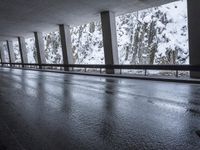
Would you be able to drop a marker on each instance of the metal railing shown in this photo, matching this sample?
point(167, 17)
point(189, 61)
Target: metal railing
point(102, 68)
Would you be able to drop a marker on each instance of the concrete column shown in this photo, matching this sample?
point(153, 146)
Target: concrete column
point(66, 45)
point(194, 34)
point(22, 50)
point(109, 39)
point(11, 52)
point(39, 43)
point(2, 53)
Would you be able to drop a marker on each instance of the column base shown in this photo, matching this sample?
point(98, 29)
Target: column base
point(195, 74)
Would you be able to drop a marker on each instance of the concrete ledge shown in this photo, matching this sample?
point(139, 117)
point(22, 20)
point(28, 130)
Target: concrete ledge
point(124, 76)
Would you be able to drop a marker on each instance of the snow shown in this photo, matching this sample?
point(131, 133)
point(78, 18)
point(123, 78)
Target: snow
point(31, 49)
point(87, 44)
point(16, 51)
point(153, 36)
point(5, 50)
point(171, 34)
point(53, 51)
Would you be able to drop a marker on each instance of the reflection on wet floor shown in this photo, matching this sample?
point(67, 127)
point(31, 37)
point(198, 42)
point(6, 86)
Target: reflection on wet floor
point(85, 112)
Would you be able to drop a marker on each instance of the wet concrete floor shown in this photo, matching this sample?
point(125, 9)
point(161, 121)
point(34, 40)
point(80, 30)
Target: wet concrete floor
point(52, 111)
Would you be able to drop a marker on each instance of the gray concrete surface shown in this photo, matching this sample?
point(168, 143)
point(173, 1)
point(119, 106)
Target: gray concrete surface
point(11, 53)
point(194, 34)
point(23, 50)
point(40, 49)
point(109, 39)
point(66, 44)
point(51, 111)
point(22, 17)
point(2, 52)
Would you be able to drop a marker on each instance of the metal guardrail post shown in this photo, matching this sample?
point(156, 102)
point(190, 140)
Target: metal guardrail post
point(145, 72)
point(177, 73)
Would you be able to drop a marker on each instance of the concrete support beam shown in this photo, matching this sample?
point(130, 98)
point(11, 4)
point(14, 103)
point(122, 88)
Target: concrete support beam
point(22, 50)
point(39, 43)
point(194, 34)
point(109, 39)
point(66, 45)
point(11, 52)
point(2, 53)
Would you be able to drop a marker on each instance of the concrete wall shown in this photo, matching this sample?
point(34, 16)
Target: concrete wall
point(109, 39)
point(194, 34)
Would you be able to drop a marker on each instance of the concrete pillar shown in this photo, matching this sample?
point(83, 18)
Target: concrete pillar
point(39, 43)
point(22, 50)
point(2, 53)
point(66, 45)
point(11, 52)
point(194, 34)
point(109, 39)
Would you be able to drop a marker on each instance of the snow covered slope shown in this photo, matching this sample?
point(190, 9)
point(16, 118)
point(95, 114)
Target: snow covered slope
point(153, 36)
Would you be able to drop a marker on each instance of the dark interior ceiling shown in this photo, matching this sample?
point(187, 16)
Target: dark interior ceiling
point(22, 17)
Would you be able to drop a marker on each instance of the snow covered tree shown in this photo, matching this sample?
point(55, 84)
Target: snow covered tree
point(153, 36)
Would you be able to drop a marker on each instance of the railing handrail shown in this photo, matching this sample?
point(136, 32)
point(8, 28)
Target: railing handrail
point(146, 67)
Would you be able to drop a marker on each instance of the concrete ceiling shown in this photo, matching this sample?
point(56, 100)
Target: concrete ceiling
point(22, 17)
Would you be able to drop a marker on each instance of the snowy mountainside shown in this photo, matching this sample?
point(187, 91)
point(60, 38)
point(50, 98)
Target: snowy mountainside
point(153, 36)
